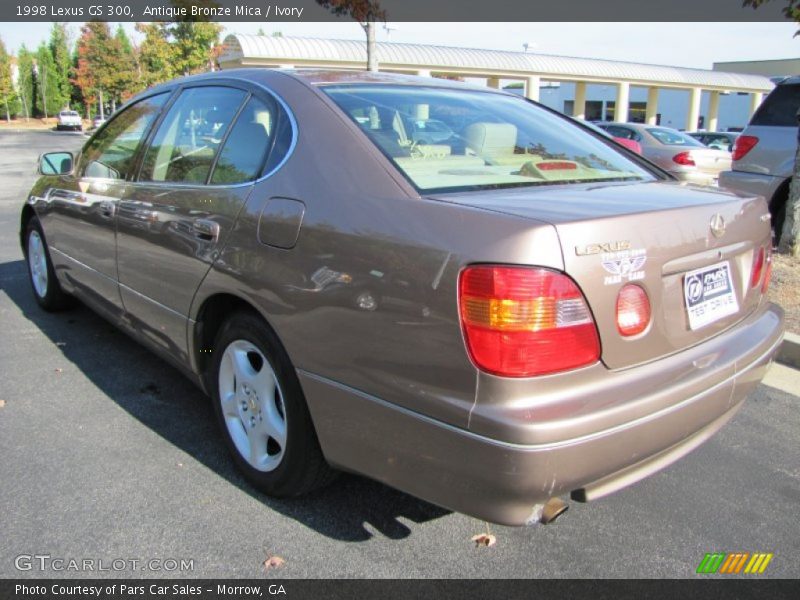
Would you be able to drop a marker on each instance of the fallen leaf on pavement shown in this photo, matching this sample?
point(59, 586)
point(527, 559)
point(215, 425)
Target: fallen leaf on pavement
point(273, 562)
point(59, 370)
point(2, 403)
point(484, 539)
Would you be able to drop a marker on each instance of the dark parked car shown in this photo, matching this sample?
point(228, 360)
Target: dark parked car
point(524, 313)
point(719, 140)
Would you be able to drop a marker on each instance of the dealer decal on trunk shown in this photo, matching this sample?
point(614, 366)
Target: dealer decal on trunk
point(625, 265)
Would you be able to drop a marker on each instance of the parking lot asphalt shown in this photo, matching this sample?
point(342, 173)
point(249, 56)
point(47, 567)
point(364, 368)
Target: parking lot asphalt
point(108, 453)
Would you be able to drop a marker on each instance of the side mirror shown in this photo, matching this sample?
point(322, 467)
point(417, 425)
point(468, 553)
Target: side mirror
point(55, 163)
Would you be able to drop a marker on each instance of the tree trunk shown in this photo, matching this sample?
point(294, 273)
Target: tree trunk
point(790, 235)
point(102, 114)
point(372, 55)
point(8, 115)
point(113, 104)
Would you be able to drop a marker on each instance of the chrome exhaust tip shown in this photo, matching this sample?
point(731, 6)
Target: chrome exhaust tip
point(553, 508)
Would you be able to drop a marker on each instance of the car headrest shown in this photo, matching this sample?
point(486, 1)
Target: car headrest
point(491, 139)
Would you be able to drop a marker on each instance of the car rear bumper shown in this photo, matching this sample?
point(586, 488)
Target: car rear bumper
point(590, 440)
point(752, 184)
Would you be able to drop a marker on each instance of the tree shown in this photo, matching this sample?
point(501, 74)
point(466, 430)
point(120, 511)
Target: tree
point(59, 46)
point(25, 80)
point(366, 12)
point(8, 94)
point(155, 54)
point(48, 89)
point(177, 48)
point(790, 11)
point(96, 73)
point(790, 235)
point(125, 82)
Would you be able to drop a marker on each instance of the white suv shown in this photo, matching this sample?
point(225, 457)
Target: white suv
point(763, 156)
point(69, 119)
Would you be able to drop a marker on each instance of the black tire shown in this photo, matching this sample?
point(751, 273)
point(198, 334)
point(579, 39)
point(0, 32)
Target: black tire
point(50, 296)
point(302, 467)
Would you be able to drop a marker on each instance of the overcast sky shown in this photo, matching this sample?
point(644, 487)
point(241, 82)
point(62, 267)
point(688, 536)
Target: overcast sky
point(695, 45)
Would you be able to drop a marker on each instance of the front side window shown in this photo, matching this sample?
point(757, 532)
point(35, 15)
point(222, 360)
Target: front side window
point(496, 140)
point(187, 140)
point(110, 154)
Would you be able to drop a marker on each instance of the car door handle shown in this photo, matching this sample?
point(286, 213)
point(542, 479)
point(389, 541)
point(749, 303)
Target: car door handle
point(107, 208)
point(206, 229)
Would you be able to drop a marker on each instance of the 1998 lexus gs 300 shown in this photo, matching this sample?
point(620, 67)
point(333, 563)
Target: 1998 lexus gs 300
point(490, 320)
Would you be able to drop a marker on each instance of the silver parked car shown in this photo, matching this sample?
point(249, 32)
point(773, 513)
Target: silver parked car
point(674, 151)
point(763, 157)
point(489, 323)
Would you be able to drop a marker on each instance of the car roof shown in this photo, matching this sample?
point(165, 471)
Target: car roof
point(319, 77)
point(793, 79)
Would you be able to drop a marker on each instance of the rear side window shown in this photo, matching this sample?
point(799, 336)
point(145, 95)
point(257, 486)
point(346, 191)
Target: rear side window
point(671, 137)
point(260, 129)
point(780, 107)
point(623, 132)
point(187, 140)
point(109, 155)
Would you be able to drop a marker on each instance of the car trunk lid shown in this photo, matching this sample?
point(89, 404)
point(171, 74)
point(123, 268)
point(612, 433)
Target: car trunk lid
point(658, 236)
point(711, 161)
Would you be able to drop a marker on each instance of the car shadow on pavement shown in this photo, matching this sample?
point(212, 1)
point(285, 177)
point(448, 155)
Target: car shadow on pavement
point(161, 398)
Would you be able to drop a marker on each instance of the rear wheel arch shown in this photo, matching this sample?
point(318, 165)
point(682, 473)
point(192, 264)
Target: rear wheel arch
point(211, 316)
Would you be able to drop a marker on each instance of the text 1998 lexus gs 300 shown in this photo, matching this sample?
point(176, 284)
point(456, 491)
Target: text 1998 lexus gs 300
point(512, 313)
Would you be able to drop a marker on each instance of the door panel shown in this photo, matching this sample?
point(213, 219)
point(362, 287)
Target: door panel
point(83, 207)
point(172, 223)
point(166, 242)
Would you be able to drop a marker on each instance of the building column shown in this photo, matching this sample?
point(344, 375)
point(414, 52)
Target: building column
point(651, 112)
point(713, 112)
point(493, 82)
point(532, 88)
point(621, 106)
point(579, 106)
point(755, 102)
point(693, 115)
point(424, 73)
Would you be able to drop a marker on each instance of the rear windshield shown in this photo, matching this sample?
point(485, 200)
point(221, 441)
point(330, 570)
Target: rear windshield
point(484, 140)
point(780, 107)
point(670, 137)
point(69, 113)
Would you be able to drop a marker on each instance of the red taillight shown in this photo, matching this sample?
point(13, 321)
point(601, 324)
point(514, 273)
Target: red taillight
point(768, 273)
point(525, 321)
point(684, 158)
point(633, 310)
point(743, 145)
point(758, 267)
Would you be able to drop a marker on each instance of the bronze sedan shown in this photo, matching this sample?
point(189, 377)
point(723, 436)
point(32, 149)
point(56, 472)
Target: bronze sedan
point(517, 312)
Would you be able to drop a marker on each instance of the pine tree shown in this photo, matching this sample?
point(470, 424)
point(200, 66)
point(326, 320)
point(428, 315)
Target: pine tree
point(8, 95)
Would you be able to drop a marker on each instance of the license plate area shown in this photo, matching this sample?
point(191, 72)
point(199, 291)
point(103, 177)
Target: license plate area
point(709, 295)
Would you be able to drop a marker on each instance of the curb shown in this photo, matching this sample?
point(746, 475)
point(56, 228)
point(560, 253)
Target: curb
point(789, 352)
